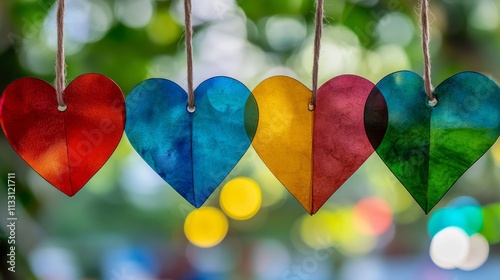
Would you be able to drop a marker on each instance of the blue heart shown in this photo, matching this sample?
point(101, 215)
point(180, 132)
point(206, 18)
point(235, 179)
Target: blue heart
point(192, 152)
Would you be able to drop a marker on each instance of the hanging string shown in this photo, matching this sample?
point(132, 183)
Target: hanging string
point(60, 60)
point(317, 49)
point(189, 53)
point(426, 38)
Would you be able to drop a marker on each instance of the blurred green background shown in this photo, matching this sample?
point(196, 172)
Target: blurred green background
point(127, 224)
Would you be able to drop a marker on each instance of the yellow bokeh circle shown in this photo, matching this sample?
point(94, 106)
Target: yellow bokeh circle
point(206, 227)
point(241, 198)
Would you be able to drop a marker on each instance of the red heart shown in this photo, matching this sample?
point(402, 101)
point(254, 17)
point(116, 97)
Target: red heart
point(66, 148)
point(340, 143)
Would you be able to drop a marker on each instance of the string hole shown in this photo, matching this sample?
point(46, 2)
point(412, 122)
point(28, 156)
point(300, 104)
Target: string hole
point(432, 102)
point(311, 106)
point(191, 109)
point(62, 108)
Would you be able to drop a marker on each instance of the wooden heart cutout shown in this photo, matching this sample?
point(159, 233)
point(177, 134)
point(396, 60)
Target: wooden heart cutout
point(65, 148)
point(312, 153)
point(429, 148)
point(192, 152)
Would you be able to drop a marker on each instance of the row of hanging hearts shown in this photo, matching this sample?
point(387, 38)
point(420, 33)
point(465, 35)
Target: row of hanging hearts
point(311, 152)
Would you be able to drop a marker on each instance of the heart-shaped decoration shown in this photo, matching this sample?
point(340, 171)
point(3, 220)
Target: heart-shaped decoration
point(429, 148)
point(193, 152)
point(66, 148)
point(312, 153)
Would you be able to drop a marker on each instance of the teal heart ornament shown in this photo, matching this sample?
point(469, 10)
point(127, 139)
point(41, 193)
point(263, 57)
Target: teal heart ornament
point(429, 148)
point(192, 152)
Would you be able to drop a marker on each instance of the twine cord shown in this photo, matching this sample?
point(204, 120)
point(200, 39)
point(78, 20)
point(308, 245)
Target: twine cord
point(60, 59)
point(317, 50)
point(189, 53)
point(426, 38)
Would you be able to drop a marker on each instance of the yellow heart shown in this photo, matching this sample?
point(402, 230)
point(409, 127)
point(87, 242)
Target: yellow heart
point(284, 137)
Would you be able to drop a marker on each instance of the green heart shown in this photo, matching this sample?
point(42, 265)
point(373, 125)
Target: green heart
point(429, 148)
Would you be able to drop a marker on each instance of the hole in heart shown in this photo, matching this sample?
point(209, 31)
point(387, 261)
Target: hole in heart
point(62, 108)
point(311, 106)
point(432, 102)
point(191, 109)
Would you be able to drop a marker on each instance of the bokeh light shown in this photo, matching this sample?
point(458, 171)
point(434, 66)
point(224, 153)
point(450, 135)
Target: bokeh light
point(129, 260)
point(211, 260)
point(163, 29)
point(335, 228)
point(339, 44)
point(317, 231)
point(474, 217)
point(134, 13)
point(372, 216)
point(395, 28)
point(485, 15)
point(463, 201)
point(241, 198)
point(495, 152)
point(491, 228)
point(269, 259)
point(131, 40)
point(462, 212)
point(277, 34)
point(37, 57)
point(205, 11)
point(86, 22)
point(206, 227)
point(350, 241)
point(450, 247)
point(478, 254)
point(444, 218)
point(54, 263)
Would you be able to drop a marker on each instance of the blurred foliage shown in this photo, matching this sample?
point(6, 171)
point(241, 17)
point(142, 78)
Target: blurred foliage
point(107, 214)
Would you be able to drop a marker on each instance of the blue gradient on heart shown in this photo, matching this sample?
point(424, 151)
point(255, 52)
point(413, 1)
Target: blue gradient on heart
point(192, 152)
